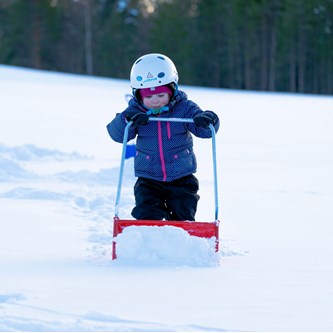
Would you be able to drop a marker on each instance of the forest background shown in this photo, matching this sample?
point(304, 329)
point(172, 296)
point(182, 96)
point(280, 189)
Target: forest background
point(265, 45)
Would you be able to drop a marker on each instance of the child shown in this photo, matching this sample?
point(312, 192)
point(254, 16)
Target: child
point(165, 162)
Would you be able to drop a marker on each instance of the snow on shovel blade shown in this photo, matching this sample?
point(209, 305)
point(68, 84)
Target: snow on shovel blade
point(198, 229)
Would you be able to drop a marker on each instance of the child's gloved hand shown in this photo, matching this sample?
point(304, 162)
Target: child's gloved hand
point(204, 119)
point(138, 118)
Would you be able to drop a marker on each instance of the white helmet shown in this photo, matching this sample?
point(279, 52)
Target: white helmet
point(153, 70)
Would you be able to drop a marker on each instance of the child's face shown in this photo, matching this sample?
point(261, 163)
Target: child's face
point(156, 101)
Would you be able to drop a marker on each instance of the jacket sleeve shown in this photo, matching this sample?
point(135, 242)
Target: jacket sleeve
point(193, 110)
point(116, 128)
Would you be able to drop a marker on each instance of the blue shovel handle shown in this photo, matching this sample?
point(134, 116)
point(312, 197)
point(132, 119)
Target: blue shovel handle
point(183, 120)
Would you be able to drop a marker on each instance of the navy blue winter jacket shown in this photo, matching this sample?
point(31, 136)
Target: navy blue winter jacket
point(164, 150)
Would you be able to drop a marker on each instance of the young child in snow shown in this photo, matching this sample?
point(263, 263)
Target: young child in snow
point(165, 162)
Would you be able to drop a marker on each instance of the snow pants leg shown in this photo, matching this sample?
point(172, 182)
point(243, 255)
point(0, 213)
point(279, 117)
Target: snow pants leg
point(176, 200)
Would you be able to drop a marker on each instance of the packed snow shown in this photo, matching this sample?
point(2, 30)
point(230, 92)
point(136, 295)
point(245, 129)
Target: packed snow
point(58, 181)
point(166, 244)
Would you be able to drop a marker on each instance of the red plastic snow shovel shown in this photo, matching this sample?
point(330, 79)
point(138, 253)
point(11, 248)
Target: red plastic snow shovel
point(198, 229)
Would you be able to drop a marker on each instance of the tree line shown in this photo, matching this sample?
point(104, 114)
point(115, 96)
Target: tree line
point(266, 45)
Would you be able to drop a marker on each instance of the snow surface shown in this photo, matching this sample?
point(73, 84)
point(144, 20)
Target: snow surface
point(58, 179)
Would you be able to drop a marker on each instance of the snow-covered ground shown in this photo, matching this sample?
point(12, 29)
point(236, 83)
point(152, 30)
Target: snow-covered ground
point(58, 179)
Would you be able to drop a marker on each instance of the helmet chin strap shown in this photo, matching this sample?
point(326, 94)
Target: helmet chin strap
point(158, 111)
point(175, 88)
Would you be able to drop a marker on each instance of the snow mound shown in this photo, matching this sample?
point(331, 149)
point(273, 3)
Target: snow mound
point(165, 245)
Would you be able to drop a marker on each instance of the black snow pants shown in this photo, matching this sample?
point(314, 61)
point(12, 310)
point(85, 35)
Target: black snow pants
point(156, 200)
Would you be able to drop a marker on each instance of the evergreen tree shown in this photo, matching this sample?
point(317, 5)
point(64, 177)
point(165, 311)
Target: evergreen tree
point(274, 45)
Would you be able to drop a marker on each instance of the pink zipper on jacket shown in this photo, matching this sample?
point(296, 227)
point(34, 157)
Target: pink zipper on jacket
point(169, 130)
point(160, 148)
